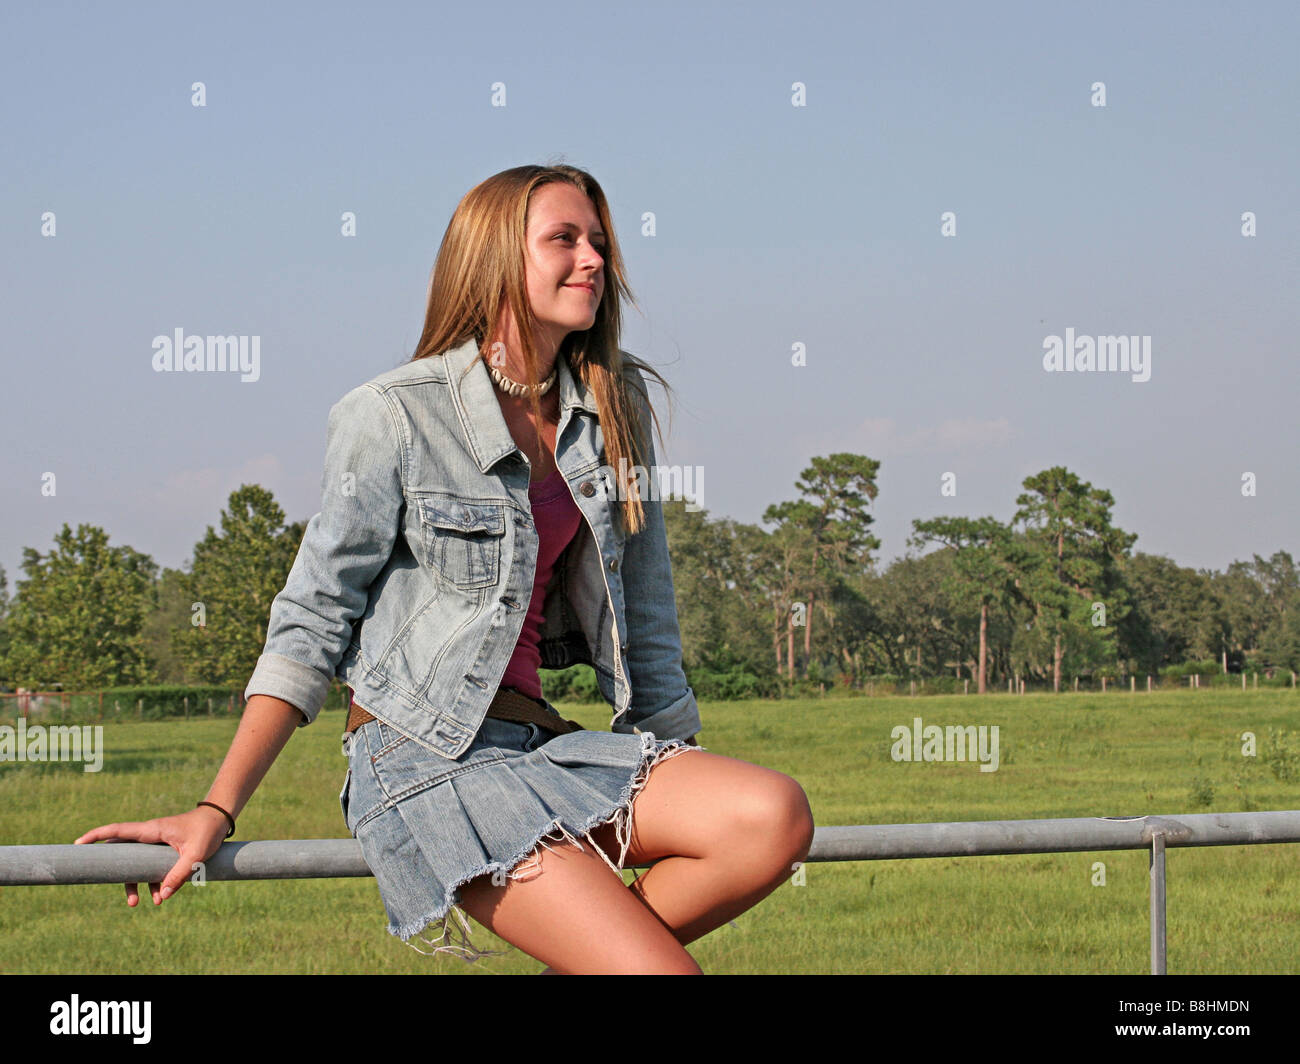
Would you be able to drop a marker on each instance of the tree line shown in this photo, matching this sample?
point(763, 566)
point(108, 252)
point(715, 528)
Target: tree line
point(1054, 593)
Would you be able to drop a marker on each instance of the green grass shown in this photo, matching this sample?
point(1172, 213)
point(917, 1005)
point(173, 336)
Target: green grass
point(1230, 909)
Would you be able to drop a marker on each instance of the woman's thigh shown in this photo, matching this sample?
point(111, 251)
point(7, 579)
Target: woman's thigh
point(702, 804)
point(575, 915)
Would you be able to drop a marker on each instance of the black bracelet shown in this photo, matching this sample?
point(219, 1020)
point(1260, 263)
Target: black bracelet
point(223, 813)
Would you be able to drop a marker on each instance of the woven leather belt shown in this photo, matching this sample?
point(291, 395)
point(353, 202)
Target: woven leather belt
point(507, 704)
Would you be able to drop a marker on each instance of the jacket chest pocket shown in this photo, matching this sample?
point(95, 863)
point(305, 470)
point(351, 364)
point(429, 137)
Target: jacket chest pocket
point(462, 540)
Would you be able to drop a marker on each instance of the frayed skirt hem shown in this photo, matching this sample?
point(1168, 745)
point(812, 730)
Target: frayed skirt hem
point(438, 931)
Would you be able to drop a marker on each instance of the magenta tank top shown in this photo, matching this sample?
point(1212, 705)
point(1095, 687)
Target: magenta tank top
point(557, 518)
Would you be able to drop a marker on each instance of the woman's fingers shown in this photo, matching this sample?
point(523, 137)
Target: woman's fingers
point(104, 831)
point(194, 836)
point(175, 879)
point(156, 890)
point(165, 830)
point(113, 831)
point(130, 830)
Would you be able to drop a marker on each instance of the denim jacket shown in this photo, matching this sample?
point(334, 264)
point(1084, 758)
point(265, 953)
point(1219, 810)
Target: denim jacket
point(412, 583)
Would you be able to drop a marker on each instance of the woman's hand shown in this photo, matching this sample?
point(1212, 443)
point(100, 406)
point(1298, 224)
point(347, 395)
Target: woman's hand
point(195, 835)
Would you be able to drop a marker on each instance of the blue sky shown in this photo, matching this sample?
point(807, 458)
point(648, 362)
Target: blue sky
point(776, 225)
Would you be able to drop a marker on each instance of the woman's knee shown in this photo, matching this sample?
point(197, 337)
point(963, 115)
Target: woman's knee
point(778, 811)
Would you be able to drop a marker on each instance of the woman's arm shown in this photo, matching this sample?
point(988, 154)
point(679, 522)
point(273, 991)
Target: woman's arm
point(196, 835)
point(263, 732)
point(310, 625)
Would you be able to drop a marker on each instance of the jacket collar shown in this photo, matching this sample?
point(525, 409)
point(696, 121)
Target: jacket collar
point(474, 396)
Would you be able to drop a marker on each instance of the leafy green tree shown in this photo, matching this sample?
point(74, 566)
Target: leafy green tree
point(1280, 579)
point(1245, 606)
point(835, 522)
point(171, 614)
point(1176, 614)
point(787, 553)
point(915, 614)
point(1281, 645)
point(988, 562)
point(853, 620)
point(1256, 599)
point(78, 615)
point(1078, 552)
point(231, 585)
point(719, 598)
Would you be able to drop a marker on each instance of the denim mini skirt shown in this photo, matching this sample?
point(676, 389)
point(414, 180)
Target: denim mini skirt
point(428, 824)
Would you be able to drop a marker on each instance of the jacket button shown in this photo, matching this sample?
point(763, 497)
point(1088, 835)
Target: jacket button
point(587, 488)
point(613, 565)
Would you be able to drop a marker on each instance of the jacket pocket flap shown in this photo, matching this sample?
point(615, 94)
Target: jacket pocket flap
point(464, 516)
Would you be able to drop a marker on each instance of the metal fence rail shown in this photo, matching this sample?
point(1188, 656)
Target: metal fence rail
point(133, 862)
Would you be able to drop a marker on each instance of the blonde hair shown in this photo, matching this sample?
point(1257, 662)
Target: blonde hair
point(481, 262)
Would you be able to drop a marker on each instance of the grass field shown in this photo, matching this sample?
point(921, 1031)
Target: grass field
point(1230, 909)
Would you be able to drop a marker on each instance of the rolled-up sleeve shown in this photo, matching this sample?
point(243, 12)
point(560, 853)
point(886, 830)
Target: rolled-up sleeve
point(344, 548)
point(662, 702)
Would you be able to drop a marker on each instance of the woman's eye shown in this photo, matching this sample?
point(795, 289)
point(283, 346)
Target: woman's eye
point(600, 248)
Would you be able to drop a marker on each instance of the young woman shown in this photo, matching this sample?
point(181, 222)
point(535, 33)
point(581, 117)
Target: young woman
point(488, 510)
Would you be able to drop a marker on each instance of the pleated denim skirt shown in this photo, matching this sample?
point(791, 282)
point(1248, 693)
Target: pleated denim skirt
point(428, 824)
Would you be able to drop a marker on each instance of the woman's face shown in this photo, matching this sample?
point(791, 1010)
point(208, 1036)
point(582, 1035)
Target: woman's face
point(565, 250)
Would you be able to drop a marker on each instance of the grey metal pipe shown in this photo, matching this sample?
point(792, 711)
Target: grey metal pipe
point(137, 862)
point(130, 862)
point(1158, 903)
point(887, 842)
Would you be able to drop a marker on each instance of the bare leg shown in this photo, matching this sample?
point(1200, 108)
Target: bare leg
point(724, 835)
point(576, 916)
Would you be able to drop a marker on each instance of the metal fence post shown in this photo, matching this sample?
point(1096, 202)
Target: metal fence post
point(1158, 903)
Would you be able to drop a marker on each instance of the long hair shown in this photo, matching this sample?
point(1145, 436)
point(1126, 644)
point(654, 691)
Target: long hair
point(481, 262)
